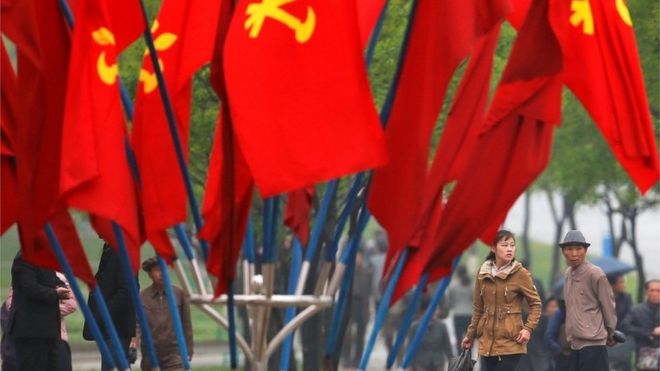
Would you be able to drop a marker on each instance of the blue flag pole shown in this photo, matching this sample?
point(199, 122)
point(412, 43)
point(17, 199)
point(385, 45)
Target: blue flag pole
point(348, 260)
point(135, 294)
point(428, 315)
point(312, 245)
point(383, 307)
point(331, 251)
point(82, 303)
point(174, 311)
point(407, 320)
point(296, 261)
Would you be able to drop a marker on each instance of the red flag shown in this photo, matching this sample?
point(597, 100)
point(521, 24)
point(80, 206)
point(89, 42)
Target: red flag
point(226, 204)
point(229, 185)
point(299, 96)
point(514, 144)
point(31, 137)
point(296, 215)
point(442, 35)
point(602, 68)
point(183, 35)
point(94, 173)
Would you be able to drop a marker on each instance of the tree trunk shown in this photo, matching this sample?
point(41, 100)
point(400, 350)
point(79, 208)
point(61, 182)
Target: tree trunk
point(559, 223)
point(639, 264)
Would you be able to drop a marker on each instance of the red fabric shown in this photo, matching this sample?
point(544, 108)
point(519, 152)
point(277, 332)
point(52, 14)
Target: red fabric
point(226, 204)
point(368, 12)
point(602, 68)
point(29, 181)
point(515, 141)
point(183, 35)
point(95, 174)
point(302, 108)
point(442, 35)
point(296, 214)
point(229, 185)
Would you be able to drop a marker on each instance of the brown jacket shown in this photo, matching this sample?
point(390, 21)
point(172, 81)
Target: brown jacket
point(497, 309)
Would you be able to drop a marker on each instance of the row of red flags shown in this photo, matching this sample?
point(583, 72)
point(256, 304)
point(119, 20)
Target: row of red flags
point(296, 109)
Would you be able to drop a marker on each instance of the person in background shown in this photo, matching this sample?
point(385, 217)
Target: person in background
point(501, 286)
point(154, 301)
point(643, 324)
point(590, 314)
point(116, 291)
point(459, 295)
point(34, 315)
point(434, 350)
point(555, 340)
point(619, 354)
point(360, 311)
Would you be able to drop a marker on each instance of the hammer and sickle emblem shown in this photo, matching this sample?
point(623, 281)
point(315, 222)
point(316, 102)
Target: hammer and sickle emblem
point(163, 42)
point(258, 12)
point(107, 73)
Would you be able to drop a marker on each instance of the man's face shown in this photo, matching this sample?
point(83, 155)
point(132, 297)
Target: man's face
point(156, 275)
point(653, 292)
point(574, 255)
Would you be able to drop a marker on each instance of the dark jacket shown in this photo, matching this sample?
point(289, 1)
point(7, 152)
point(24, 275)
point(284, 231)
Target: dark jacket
point(35, 311)
point(116, 292)
point(640, 322)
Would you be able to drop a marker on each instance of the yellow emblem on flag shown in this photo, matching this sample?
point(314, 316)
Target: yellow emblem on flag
point(107, 73)
point(163, 42)
point(582, 15)
point(258, 12)
point(624, 13)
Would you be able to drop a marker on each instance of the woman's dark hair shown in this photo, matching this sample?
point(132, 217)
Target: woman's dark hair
point(499, 236)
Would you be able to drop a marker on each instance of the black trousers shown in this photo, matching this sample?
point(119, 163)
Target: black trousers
point(593, 358)
point(36, 354)
point(501, 363)
point(63, 356)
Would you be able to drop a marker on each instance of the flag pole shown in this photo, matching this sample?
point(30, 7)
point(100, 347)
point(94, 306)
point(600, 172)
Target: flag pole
point(82, 303)
point(296, 261)
point(176, 315)
point(348, 262)
point(312, 245)
point(407, 320)
point(428, 315)
point(135, 294)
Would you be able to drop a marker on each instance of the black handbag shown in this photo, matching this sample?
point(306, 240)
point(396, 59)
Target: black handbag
point(463, 362)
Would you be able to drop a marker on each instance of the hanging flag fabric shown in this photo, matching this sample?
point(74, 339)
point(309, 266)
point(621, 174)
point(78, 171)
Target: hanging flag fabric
point(442, 35)
point(229, 185)
point(298, 91)
point(183, 36)
point(31, 137)
point(602, 68)
point(296, 214)
point(514, 143)
point(94, 172)
point(227, 204)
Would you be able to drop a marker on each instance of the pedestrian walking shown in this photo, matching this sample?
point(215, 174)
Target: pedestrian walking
point(434, 350)
point(643, 324)
point(115, 290)
point(501, 286)
point(590, 313)
point(459, 296)
point(555, 340)
point(34, 315)
point(159, 317)
point(620, 353)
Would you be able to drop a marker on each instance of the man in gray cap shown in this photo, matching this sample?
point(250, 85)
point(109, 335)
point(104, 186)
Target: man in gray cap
point(590, 314)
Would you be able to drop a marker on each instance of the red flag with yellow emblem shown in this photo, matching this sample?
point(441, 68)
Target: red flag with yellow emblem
point(298, 92)
point(94, 172)
point(602, 68)
point(183, 36)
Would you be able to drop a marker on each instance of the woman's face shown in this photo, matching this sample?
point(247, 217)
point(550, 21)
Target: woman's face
point(505, 250)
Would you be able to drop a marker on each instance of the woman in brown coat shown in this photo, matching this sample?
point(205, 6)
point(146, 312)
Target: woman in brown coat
point(502, 284)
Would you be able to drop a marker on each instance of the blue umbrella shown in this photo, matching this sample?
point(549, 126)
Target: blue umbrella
point(609, 264)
